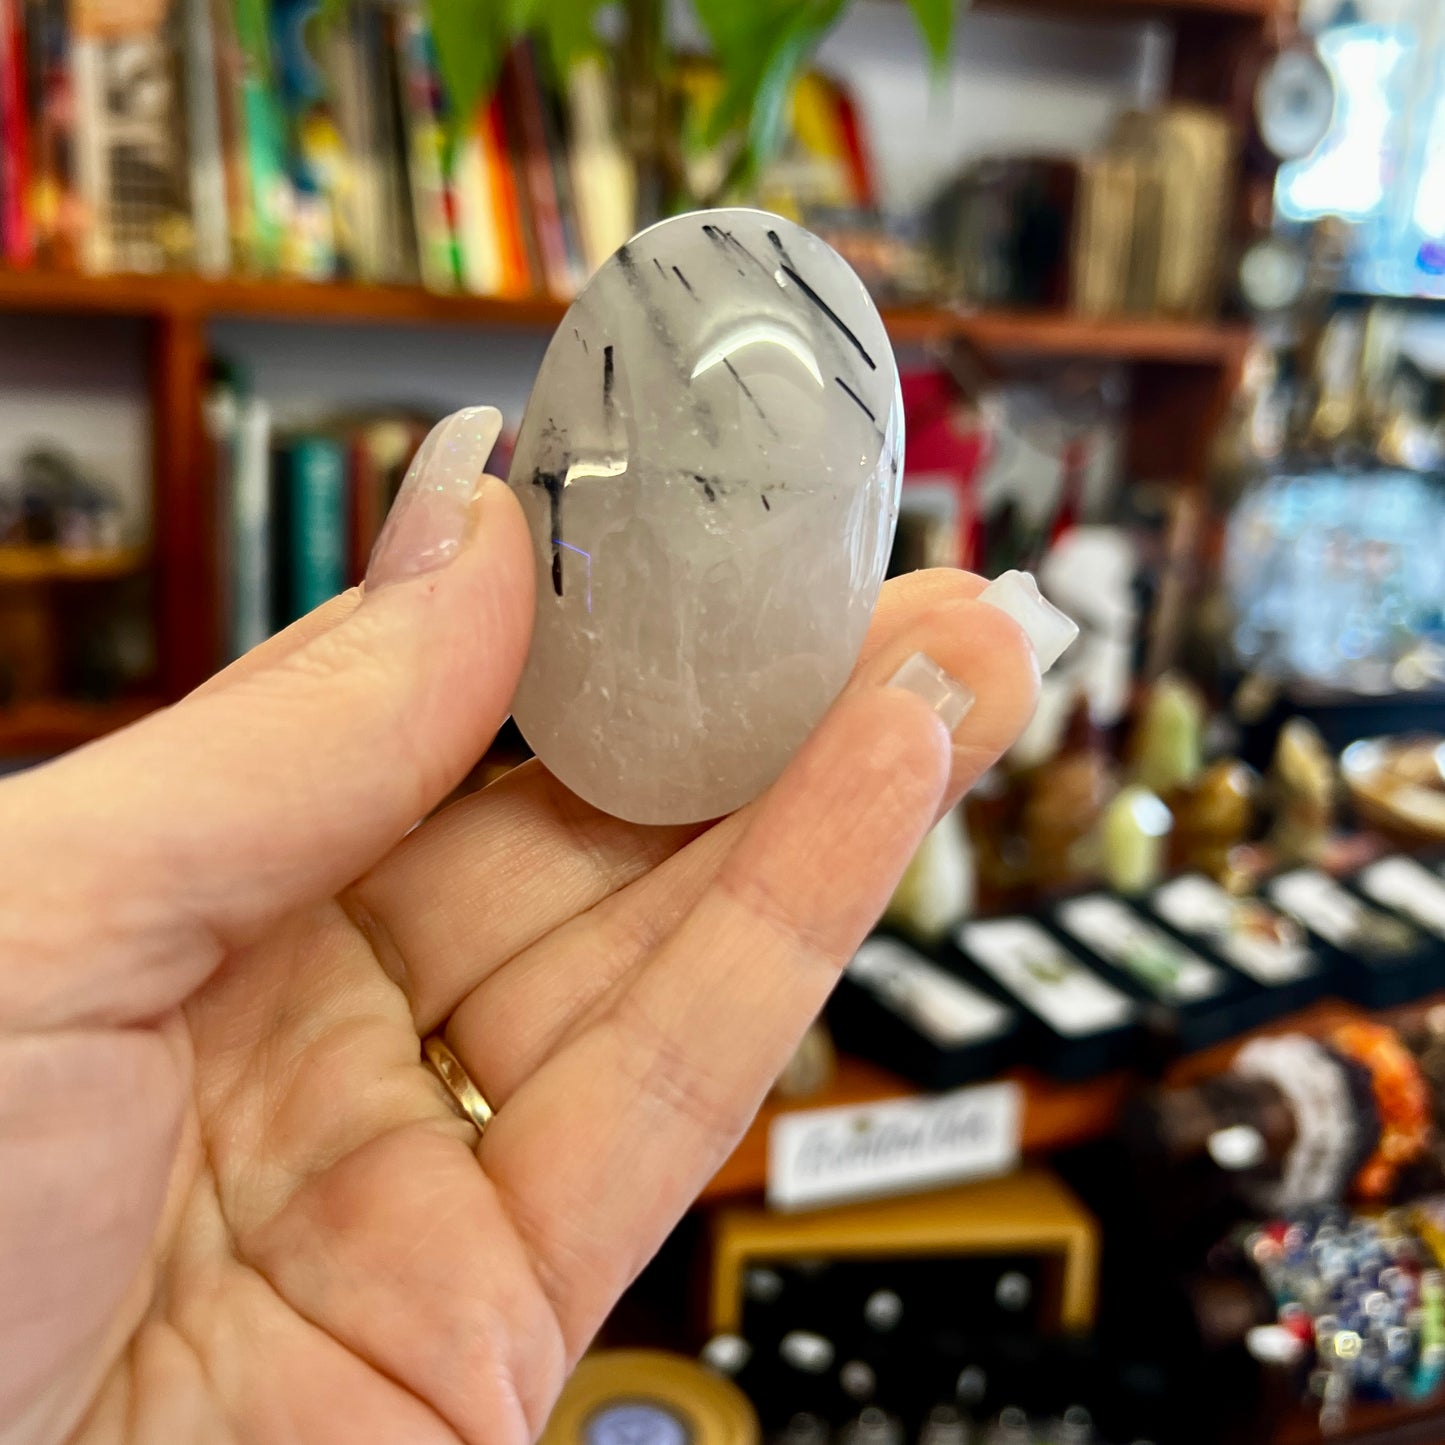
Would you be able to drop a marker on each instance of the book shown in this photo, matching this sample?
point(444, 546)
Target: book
point(478, 232)
point(204, 143)
point(246, 525)
point(130, 155)
point(381, 450)
point(315, 156)
point(527, 134)
point(230, 64)
point(604, 180)
point(358, 217)
point(518, 278)
point(54, 205)
point(436, 240)
point(384, 81)
point(15, 197)
point(263, 143)
point(576, 271)
point(312, 484)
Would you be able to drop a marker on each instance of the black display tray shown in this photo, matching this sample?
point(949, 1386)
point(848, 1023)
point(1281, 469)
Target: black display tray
point(1381, 960)
point(1079, 1023)
point(896, 1004)
point(1188, 998)
point(1280, 969)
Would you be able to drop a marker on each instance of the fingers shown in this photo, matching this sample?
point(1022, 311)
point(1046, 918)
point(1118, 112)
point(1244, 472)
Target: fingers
point(192, 831)
point(499, 870)
point(516, 1016)
point(601, 1150)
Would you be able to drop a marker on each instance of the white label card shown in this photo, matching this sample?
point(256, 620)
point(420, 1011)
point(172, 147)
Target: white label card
point(1321, 904)
point(1250, 935)
point(827, 1156)
point(939, 1006)
point(1409, 886)
point(1071, 999)
point(1147, 954)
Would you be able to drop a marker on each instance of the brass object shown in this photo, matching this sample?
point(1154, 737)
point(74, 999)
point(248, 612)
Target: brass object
point(1302, 793)
point(1214, 817)
point(469, 1100)
point(1398, 785)
point(616, 1396)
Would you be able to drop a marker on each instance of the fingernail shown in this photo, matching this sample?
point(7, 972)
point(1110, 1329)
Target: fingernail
point(427, 523)
point(944, 693)
point(1050, 630)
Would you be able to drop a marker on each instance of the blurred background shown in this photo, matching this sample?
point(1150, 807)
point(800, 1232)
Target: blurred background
point(1126, 1124)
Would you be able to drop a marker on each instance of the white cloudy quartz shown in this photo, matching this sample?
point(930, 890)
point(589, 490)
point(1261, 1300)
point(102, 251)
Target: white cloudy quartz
point(710, 463)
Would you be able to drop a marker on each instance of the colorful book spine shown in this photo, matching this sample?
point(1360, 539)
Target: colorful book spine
point(231, 91)
point(54, 205)
point(269, 205)
point(604, 183)
point(247, 527)
point(538, 182)
point(204, 143)
point(436, 240)
point(477, 226)
point(15, 227)
point(549, 99)
point(518, 278)
point(317, 508)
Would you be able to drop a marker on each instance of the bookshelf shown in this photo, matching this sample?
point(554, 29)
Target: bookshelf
point(190, 298)
point(29, 565)
point(54, 724)
point(1055, 1115)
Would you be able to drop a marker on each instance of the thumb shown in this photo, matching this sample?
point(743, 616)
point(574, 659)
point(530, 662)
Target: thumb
point(131, 866)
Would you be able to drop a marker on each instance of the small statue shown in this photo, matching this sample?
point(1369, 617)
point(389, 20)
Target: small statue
point(1135, 834)
point(1167, 746)
point(1066, 797)
point(1302, 789)
point(1213, 818)
point(937, 888)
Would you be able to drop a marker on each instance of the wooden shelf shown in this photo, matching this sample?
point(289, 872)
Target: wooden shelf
point(1056, 1116)
point(59, 564)
point(51, 725)
point(1002, 333)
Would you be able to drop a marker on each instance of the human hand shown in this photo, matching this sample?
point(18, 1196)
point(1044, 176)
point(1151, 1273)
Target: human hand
point(234, 1203)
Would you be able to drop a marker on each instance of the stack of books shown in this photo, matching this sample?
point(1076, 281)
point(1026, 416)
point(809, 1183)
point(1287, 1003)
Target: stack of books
point(245, 137)
point(299, 507)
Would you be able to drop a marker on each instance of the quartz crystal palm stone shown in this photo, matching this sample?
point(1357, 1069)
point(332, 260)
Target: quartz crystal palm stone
point(710, 465)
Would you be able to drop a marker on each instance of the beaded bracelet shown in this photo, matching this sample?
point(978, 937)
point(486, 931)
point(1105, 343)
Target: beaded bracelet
point(1402, 1101)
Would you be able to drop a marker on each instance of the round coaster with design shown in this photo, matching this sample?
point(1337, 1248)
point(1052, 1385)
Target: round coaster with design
point(646, 1397)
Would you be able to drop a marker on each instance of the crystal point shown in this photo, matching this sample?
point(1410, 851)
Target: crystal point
point(709, 463)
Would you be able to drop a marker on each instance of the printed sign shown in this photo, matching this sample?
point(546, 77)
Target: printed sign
point(827, 1156)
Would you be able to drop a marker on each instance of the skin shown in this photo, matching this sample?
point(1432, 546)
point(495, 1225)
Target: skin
point(234, 1205)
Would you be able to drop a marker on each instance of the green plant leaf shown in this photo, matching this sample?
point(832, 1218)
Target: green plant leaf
point(568, 26)
point(253, 33)
point(761, 49)
point(935, 21)
point(469, 45)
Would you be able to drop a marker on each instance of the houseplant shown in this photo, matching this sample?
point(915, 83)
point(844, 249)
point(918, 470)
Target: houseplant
point(760, 47)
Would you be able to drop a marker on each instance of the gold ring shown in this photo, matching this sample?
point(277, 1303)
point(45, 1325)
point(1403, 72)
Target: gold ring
point(448, 1068)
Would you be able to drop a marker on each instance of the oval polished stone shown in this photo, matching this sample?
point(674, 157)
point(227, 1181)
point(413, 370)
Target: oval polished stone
point(710, 463)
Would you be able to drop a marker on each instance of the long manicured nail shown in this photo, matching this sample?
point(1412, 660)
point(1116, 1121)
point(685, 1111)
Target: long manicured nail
point(427, 523)
point(944, 693)
point(1050, 630)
